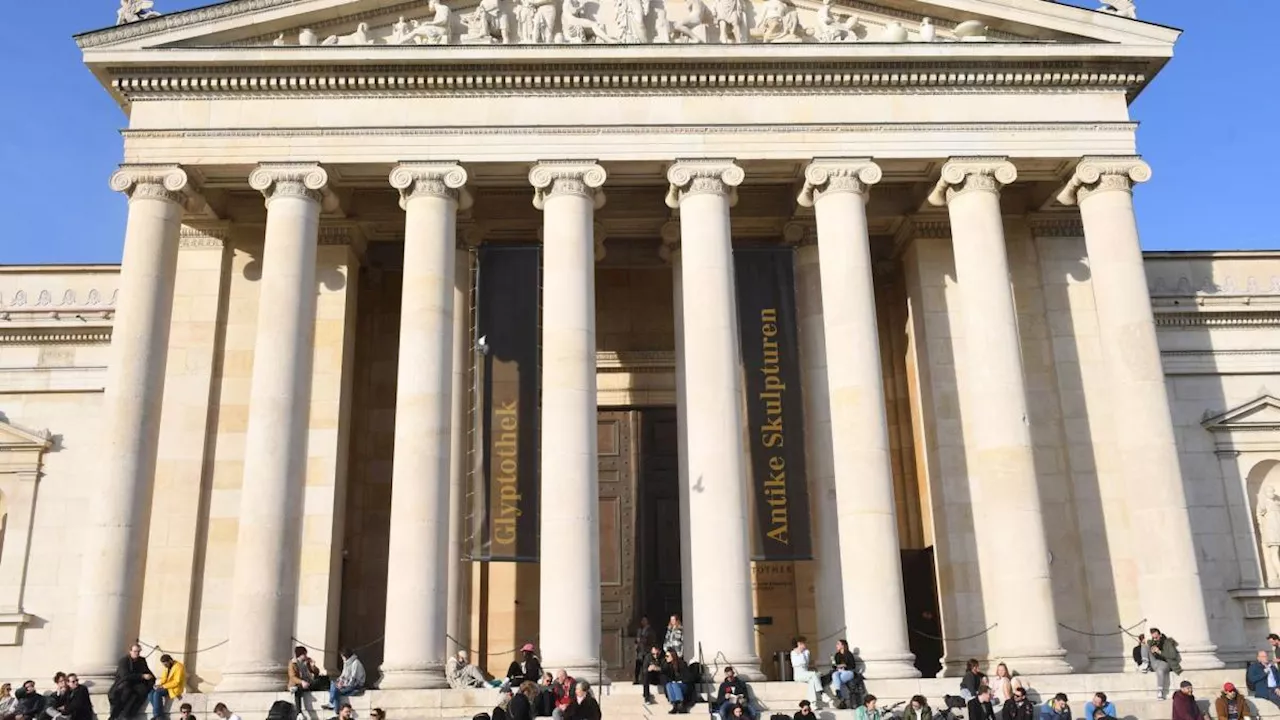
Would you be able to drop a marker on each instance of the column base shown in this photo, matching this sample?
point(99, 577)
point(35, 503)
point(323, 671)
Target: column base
point(1200, 657)
point(418, 676)
point(253, 677)
point(1033, 662)
point(591, 669)
point(98, 677)
point(890, 667)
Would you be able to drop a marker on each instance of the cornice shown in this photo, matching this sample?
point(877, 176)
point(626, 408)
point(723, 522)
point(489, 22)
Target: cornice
point(578, 130)
point(717, 77)
point(1238, 320)
point(55, 336)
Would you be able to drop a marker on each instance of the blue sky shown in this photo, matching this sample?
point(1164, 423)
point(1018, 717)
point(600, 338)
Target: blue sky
point(1207, 129)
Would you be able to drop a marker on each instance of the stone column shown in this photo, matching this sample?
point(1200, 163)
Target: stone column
point(1169, 584)
point(264, 593)
point(1002, 473)
point(458, 621)
point(417, 586)
point(865, 508)
point(115, 538)
point(703, 191)
point(670, 251)
point(568, 193)
point(819, 461)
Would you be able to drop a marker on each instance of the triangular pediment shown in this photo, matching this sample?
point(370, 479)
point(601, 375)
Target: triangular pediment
point(15, 437)
point(1262, 413)
point(370, 23)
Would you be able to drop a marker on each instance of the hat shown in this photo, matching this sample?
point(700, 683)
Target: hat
point(1185, 683)
point(528, 647)
point(1228, 687)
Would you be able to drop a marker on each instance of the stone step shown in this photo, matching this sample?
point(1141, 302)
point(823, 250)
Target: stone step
point(1133, 694)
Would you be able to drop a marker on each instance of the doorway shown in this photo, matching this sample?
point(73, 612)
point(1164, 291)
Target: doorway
point(639, 527)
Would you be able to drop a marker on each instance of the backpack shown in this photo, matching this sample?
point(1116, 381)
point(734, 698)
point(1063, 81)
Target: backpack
point(281, 710)
point(954, 702)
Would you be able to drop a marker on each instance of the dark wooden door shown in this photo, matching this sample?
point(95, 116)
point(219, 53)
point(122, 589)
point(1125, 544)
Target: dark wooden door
point(658, 558)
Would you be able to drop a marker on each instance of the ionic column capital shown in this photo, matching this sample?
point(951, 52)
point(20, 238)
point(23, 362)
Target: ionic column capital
point(447, 180)
point(979, 174)
point(837, 175)
point(550, 178)
point(157, 182)
point(1104, 174)
point(698, 177)
point(800, 233)
point(295, 180)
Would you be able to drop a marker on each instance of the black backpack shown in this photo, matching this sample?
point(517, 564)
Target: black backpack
point(281, 710)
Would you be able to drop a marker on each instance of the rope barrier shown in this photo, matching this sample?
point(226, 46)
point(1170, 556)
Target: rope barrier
point(152, 649)
point(463, 646)
point(313, 648)
point(957, 639)
point(1122, 630)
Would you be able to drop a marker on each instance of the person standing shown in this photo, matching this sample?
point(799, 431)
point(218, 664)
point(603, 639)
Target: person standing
point(1231, 705)
point(674, 639)
point(1185, 706)
point(1164, 660)
point(350, 682)
point(79, 706)
point(133, 682)
point(168, 687)
point(644, 641)
point(1263, 678)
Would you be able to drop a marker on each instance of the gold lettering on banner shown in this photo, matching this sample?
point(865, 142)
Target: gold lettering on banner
point(772, 433)
point(506, 475)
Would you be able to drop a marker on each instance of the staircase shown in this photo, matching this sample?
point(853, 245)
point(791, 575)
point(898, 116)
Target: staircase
point(1133, 694)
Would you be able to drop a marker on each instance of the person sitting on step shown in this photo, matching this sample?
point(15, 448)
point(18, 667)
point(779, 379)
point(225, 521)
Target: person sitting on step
point(461, 674)
point(801, 672)
point(562, 690)
point(673, 674)
point(651, 673)
point(844, 676)
point(350, 682)
point(733, 691)
point(527, 669)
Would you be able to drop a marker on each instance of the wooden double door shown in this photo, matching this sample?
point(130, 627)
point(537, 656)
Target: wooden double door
point(640, 538)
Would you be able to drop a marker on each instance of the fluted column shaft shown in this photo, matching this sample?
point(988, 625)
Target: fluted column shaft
point(568, 194)
point(417, 591)
point(1002, 473)
point(264, 593)
point(704, 190)
point(818, 447)
point(865, 505)
point(458, 620)
point(1169, 586)
point(115, 539)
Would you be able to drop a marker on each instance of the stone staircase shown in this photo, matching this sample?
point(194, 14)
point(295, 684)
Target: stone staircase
point(1133, 694)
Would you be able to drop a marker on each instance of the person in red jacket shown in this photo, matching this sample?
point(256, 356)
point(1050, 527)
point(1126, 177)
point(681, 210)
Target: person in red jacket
point(1185, 706)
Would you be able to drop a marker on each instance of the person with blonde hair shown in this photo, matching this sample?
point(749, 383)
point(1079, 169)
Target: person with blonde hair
point(1003, 685)
point(7, 701)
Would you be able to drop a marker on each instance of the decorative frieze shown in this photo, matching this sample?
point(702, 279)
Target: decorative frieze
point(1056, 226)
point(695, 177)
point(1103, 174)
point(962, 175)
point(204, 237)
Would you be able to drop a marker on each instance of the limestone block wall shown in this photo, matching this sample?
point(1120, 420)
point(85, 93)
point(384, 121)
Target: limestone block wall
point(54, 334)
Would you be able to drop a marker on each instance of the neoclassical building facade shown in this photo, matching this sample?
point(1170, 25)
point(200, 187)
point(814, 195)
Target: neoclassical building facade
point(449, 326)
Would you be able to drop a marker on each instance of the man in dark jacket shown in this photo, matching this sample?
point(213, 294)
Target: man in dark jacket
point(1018, 708)
point(1164, 660)
point(733, 691)
point(1263, 678)
point(980, 706)
point(521, 706)
point(134, 680)
point(56, 702)
point(79, 706)
point(30, 704)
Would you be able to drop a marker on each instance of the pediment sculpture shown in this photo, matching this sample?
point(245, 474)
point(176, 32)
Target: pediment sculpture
point(637, 22)
point(1123, 8)
point(132, 11)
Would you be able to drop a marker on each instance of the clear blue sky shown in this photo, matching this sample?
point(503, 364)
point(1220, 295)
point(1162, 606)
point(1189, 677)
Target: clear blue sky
point(1207, 129)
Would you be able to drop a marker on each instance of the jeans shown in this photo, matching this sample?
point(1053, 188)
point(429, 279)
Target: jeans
point(158, 697)
point(675, 692)
point(1161, 669)
point(1271, 695)
point(840, 680)
point(650, 678)
point(336, 692)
